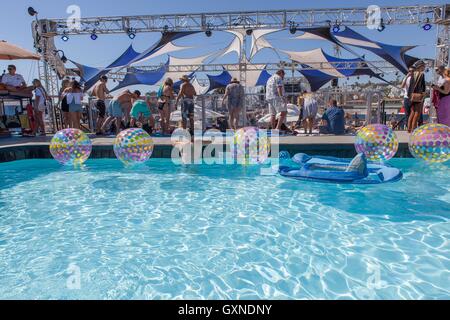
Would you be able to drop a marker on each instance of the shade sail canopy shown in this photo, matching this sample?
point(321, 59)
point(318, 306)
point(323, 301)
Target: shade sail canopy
point(259, 41)
point(319, 68)
point(131, 57)
point(199, 88)
point(91, 75)
point(165, 39)
point(395, 55)
point(141, 77)
point(254, 78)
point(9, 51)
point(348, 37)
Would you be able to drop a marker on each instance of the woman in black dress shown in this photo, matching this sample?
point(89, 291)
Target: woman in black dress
point(416, 94)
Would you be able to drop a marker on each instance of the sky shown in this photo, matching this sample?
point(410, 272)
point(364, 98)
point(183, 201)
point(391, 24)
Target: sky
point(15, 27)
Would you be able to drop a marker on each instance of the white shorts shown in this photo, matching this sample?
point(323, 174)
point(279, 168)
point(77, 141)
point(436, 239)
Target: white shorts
point(276, 106)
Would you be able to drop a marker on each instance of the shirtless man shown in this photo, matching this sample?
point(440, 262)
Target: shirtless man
point(123, 102)
point(187, 93)
point(101, 92)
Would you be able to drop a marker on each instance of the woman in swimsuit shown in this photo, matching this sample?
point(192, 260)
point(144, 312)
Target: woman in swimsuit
point(164, 106)
point(74, 96)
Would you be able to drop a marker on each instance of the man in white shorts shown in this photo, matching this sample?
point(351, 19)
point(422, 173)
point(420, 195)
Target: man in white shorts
point(275, 96)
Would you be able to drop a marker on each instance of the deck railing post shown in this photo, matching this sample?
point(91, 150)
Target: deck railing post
point(203, 114)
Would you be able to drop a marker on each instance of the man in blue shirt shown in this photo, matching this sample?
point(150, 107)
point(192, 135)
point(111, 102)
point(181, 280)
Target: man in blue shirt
point(335, 119)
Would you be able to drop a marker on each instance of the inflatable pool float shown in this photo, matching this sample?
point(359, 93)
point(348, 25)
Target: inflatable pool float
point(330, 169)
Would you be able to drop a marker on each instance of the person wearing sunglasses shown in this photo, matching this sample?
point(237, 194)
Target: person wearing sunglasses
point(13, 81)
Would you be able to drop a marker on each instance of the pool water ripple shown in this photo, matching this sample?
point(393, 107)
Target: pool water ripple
point(220, 232)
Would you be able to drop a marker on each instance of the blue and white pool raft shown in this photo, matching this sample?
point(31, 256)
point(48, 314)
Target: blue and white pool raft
point(336, 170)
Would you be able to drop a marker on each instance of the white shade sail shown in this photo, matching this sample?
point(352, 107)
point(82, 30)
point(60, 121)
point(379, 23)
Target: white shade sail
point(259, 42)
point(315, 59)
point(168, 48)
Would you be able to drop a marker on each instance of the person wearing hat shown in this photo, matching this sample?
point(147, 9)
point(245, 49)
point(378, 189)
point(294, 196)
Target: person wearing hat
point(235, 95)
point(187, 94)
point(416, 94)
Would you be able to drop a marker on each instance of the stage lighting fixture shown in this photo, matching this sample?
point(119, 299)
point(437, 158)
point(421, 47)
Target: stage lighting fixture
point(427, 26)
point(32, 12)
point(382, 26)
point(94, 35)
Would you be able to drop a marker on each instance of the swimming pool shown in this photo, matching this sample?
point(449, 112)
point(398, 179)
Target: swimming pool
point(219, 232)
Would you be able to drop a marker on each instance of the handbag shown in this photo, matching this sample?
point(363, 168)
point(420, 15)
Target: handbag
point(417, 97)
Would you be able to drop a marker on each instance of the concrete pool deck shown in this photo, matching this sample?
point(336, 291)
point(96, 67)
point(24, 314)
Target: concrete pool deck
point(19, 148)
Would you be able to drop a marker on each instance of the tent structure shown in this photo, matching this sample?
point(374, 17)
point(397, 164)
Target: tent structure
point(138, 77)
point(9, 51)
point(259, 42)
point(160, 45)
point(200, 89)
point(346, 38)
point(130, 57)
point(255, 78)
point(392, 54)
point(319, 68)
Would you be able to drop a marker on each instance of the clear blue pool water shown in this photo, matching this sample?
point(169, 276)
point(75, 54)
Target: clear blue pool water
point(219, 232)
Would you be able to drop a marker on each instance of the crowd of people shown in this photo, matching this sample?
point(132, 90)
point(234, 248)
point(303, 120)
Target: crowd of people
point(130, 108)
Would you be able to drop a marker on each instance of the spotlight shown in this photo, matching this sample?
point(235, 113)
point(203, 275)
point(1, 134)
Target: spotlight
point(336, 29)
point(208, 31)
point(427, 26)
point(94, 35)
point(131, 34)
point(64, 37)
point(381, 27)
point(32, 12)
point(249, 32)
point(292, 27)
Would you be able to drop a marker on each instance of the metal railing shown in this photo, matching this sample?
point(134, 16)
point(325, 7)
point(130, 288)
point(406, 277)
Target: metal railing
point(367, 107)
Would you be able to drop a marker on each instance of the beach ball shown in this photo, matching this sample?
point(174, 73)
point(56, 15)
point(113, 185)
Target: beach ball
point(250, 146)
point(431, 142)
point(377, 141)
point(133, 146)
point(70, 147)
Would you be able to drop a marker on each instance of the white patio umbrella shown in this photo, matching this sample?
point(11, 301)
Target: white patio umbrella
point(9, 51)
point(292, 116)
point(176, 115)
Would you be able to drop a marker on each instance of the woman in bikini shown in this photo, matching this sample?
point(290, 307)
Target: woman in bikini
point(164, 105)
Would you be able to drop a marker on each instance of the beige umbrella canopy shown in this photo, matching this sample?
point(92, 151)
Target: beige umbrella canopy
point(11, 52)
